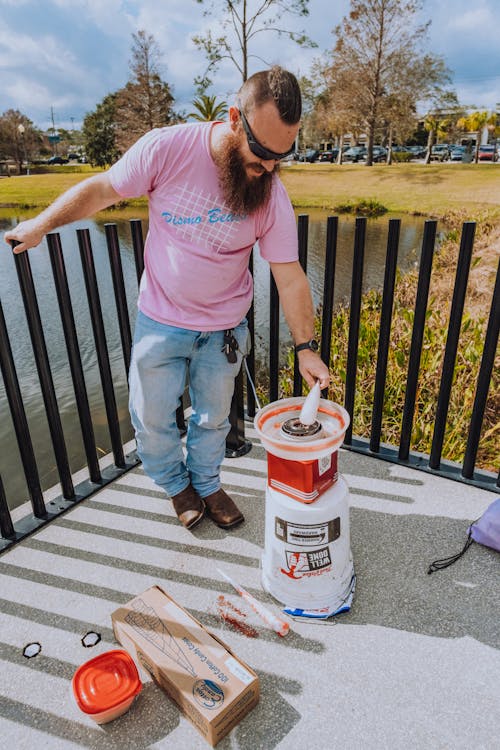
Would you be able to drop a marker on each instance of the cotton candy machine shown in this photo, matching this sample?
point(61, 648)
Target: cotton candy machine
point(307, 562)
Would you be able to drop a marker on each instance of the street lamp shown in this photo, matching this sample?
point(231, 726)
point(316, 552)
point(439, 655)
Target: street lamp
point(21, 130)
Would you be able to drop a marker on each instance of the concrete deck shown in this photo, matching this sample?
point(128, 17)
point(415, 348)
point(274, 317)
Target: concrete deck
point(415, 663)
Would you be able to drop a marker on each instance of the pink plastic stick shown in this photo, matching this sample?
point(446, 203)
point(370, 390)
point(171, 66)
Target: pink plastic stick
point(281, 627)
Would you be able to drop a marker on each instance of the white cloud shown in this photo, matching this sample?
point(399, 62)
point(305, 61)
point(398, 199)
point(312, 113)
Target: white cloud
point(29, 93)
point(46, 53)
point(473, 19)
point(108, 15)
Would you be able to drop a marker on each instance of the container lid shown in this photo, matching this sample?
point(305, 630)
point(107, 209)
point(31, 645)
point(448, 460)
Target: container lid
point(106, 681)
point(273, 424)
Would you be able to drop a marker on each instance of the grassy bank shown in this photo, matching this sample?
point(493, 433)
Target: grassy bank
point(423, 189)
point(429, 190)
point(37, 191)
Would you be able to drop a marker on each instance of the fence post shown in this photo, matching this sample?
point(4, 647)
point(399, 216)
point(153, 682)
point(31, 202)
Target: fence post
point(44, 373)
point(332, 225)
point(274, 339)
point(236, 445)
point(20, 421)
point(450, 353)
point(75, 360)
point(483, 382)
point(354, 319)
point(303, 234)
point(119, 290)
point(424, 278)
point(101, 345)
point(385, 332)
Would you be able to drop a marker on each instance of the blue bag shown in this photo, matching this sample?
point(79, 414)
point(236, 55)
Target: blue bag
point(486, 531)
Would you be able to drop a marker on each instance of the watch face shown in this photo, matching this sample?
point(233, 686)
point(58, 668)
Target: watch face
point(314, 345)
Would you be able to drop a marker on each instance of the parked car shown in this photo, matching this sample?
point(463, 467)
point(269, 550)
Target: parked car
point(330, 155)
point(379, 154)
point(57, 160)
point(310, 155)
point(457, 153)
point(487, 152)
point(355, 153)
point(294, 156)
point(418, 152)
point(440, 152)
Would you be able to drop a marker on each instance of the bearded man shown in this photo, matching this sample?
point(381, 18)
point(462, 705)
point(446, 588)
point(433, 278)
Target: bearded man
point(213, 192)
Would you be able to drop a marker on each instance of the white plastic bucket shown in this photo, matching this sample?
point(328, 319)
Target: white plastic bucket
point(307, 561)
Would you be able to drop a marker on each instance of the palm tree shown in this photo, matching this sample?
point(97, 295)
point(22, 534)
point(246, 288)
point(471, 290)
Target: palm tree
point(207, 109)
point(475, 123)
point(436, 126)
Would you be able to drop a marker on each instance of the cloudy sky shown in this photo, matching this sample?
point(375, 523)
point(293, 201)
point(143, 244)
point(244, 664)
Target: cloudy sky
point(68, 54)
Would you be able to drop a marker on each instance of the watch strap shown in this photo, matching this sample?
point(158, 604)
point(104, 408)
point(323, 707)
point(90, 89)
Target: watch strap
point(311, 344)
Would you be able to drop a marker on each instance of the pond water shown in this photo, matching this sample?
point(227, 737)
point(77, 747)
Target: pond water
point(10, 464)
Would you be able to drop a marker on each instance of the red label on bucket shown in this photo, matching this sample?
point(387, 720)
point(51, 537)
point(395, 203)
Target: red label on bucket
point(305, 481)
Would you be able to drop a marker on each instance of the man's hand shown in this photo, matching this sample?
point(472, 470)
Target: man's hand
point(28, 233)
point(83, 199)
point(312, 368)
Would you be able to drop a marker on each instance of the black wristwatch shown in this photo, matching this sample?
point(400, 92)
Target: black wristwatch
point(312, 344)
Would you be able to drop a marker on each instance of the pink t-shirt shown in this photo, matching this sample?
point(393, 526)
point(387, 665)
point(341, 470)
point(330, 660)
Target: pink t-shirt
point(196, 253)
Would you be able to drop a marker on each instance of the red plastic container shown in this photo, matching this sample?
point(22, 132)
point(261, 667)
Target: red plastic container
point(105, 687)
point(305, 481)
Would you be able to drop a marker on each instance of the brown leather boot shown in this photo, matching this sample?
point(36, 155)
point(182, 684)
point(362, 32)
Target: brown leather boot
point(189, 507)
point(222, 510)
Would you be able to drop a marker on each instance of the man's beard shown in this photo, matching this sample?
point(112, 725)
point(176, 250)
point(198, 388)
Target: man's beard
point(242, 194)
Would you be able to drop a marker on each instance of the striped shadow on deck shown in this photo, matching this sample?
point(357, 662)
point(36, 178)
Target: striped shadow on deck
point(397, 660)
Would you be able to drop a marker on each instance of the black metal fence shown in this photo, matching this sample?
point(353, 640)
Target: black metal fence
point(435, 464)
point(243, 403)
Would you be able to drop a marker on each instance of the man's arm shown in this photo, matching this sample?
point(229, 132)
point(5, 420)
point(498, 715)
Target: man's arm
point(296, 301)
point(80, 201)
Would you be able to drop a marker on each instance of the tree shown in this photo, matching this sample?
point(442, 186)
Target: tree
point(398, 112)
point(378, 55)
point(309, 125)
point(122, 117)
point(207, 110)
point(99, 133)
point(475, 122)
point(146, 100)
point(239, 26)
point(439, 121)
point(334, 113)
point(18, 137)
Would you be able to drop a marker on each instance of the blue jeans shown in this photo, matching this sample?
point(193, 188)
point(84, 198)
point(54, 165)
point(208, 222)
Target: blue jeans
point(162, 355)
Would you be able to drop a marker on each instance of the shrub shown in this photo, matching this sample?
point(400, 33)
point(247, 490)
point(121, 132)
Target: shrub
point(368, 207)
point(402, 156)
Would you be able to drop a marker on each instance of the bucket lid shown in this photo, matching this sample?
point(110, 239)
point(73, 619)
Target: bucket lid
point(271, 419)
point(106, 681)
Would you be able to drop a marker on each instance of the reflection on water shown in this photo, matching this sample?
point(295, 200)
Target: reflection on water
point(10, 464)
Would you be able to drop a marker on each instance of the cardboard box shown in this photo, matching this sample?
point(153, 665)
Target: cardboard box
point(211, 686)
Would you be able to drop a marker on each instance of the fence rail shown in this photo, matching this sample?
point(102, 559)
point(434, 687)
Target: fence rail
point(243, 400)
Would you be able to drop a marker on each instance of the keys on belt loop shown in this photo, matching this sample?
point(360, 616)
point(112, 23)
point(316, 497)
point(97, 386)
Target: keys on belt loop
point(230, 346)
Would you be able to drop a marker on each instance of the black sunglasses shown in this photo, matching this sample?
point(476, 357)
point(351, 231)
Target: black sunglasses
point(256, 148)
